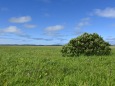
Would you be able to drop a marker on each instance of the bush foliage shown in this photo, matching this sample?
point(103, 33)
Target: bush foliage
point(86, 44)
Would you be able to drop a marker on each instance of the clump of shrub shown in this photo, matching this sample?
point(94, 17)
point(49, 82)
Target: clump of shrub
point(86, 44)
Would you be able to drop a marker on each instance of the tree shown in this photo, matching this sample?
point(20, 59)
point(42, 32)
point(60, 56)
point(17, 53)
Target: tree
point(86, 44)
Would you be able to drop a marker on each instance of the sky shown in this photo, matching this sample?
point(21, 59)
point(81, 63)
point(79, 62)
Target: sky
point(47, 22)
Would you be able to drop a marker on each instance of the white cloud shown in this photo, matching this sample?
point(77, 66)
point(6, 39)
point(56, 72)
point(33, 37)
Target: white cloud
point(54, 28)
point(107, 12)
point(22, 19)
point(82, 23)
point(11, 29)
point(29, 25)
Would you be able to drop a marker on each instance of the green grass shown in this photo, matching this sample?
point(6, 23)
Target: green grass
point(44, 66)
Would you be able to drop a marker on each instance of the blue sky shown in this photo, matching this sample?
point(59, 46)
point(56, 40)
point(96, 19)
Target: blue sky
point(55, 21)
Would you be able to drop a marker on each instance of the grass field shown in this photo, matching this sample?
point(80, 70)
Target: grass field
point(44, 66)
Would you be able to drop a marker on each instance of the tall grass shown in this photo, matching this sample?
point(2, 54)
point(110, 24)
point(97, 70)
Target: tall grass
point(44, 66)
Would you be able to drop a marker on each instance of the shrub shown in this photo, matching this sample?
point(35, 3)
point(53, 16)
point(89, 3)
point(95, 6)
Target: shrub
point(86, 44)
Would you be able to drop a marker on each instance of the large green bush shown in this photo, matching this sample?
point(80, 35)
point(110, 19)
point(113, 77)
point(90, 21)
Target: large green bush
point(86, 44)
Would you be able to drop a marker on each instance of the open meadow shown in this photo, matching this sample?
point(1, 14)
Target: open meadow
point(44, 66)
